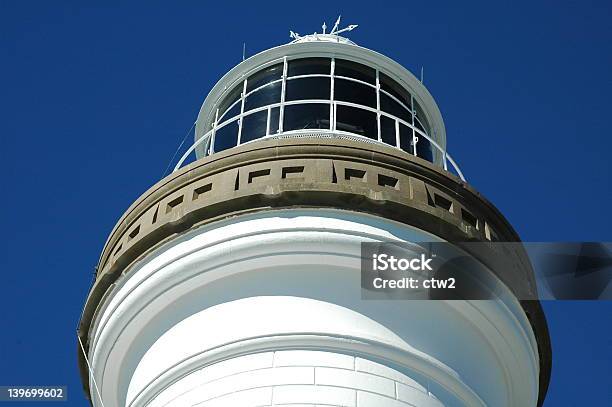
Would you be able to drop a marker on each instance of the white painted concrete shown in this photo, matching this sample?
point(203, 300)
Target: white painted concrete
point(267, 306)
point(278, 385)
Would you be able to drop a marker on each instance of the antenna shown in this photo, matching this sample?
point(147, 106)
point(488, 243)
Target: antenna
point(243, 51)
point(422, 73)
point(324, 27)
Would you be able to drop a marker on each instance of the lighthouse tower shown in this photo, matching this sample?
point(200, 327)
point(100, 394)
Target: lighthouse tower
point(236, 280)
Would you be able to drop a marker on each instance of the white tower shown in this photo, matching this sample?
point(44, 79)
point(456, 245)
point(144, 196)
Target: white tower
point(235, 281)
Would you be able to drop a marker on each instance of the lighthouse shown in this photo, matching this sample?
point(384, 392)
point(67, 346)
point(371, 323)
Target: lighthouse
point(237, 279)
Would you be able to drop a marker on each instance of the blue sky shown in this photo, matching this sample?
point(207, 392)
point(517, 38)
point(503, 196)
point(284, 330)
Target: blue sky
point(96, 98)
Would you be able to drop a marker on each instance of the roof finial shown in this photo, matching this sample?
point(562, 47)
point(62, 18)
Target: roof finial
point(325, 36)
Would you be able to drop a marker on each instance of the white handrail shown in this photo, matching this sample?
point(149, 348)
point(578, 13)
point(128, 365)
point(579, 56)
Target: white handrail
point(206, 137)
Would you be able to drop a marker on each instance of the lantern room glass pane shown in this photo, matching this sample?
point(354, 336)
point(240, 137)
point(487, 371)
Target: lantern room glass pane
point(254, 126)
point(390, 106)
point(264, 76)
point(306, 116)
point(308, 88)
point(309, 66)
point(424, 148)
point(395, 89)
point(357, 121)
point(226, 137)
point(265, 96)
point(421, 123)
point(228, 100)
point(406, 141)
point(274, 119)
point(233, 112)
point(354, 92)
point(355, 70)
point(387, 130)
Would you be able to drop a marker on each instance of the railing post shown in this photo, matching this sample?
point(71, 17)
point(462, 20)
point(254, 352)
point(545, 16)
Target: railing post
point(378, 104)
point(211, 150)
point(415, 139)
point(397, 135)
point(243, 97)
point(332, 115)
point(281, 114)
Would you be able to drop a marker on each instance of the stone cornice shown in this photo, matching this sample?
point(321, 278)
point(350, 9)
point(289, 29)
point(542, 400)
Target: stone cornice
point(310, 172)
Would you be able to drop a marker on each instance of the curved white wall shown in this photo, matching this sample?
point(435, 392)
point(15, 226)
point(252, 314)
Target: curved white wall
point(288, 281)
point(276, 377)
point(301, 377)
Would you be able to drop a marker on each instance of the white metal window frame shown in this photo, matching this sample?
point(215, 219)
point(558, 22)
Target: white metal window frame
point(208, 139)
